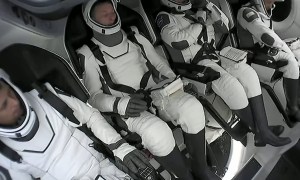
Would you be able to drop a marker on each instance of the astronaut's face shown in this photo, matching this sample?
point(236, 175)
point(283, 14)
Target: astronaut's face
point(10, 106)
point(105, 14)
point(269, 4)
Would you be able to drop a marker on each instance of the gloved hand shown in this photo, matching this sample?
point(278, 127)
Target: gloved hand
point(136, 105)
point(133, 163)
point(191, 89)
point(209, 74)
point(215, 14)
point(217, 18)
point(280, 55)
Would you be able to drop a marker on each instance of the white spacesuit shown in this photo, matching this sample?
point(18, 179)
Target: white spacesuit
point(114, 90)
point(255, 31)
point(50, 146)
point(238, 85)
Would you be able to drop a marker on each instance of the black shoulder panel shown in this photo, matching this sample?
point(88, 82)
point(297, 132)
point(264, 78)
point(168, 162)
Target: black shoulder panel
point(162, 20)
point(180, 45)
point(249, 15)
point(81, 59)
point(267, 39)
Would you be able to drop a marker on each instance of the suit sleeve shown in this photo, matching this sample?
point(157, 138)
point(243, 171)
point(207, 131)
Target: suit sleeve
point(94, 120)
point(217, 18)
point(250, 20)
point(98, 125)
point(173, 35)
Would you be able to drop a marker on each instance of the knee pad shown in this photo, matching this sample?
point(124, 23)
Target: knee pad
point(191, 115)
point(291, 70)
point(231, 91)
point(250, 81)
point(158, 138)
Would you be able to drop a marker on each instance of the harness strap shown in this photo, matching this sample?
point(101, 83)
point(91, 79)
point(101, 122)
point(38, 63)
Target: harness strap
point(67, 112)
point(55, 102)
point(96, 51)
point(203, 33)
point(115, 86)
point(207, 50)
point(152, 69)
point(10, 153)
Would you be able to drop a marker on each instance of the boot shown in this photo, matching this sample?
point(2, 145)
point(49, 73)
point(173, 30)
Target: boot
point(195, 144)
point(291, 93)
point(246, 116)
point(263, 134)
point(175, 163)
point(277, 129)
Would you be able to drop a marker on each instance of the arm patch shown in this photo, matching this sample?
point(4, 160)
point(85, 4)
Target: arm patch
point(267, 39)
point(249, 15)
point(180, 45)
point(162, 20)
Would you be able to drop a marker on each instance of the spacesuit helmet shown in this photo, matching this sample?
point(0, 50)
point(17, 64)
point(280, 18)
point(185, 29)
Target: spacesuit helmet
point(261, 6)
point(89, 17)
point(178, 5)
point(23, 120)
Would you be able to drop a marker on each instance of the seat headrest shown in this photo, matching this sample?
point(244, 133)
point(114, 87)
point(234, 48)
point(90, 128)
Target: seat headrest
point(130, 17)
point(77, 33)
point(27, 64)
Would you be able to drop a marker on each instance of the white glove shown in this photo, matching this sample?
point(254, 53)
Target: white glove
point(217, 16)
point(201, 16)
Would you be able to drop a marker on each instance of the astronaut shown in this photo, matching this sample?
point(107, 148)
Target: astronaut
point(238, 85)
point(123, 70)
point(49, 145)
point(255, 31)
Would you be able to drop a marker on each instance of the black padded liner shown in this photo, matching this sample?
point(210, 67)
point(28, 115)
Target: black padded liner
point(27, 64)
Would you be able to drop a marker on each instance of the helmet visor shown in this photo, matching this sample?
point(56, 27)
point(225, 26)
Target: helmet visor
point(18, 121)
point(102, 16)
